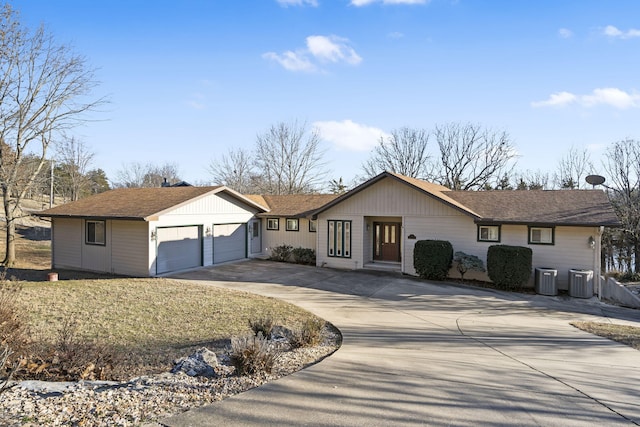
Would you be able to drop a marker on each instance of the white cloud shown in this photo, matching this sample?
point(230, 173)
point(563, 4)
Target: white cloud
point(565, 33)
point(319, 50)
point(332, 49)
point(368, 2)
point(609, 96)
point(615, 33)
point(395, 35)
point(348, 135)
point(612, 96)
point(287, 3)
point(558, 99)
point(291, 61)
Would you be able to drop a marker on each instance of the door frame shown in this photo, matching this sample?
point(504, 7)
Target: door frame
point(378, 227)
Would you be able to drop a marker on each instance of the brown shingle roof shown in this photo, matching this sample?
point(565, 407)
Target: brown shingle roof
point(133, 203)
point(552, 207)
point(292, 205)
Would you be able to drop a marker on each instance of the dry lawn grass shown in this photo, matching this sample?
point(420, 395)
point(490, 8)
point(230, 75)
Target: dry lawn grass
point(149, 322)
point(629, 335)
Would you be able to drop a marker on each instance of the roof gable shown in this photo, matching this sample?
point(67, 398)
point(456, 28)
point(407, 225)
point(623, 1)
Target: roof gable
point(435, 191)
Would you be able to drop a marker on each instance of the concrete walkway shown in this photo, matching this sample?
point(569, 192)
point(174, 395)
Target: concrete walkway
point(418, 353)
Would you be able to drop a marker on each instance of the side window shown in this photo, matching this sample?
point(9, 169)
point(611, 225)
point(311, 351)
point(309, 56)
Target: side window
point(293, 224)
point(273, 224)
point(339, 238)
point(312, 226)
point(95, 232)
point(488, 233)
point(541, 235)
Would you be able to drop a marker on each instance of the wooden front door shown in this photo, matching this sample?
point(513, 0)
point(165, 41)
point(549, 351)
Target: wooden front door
point(386, 241)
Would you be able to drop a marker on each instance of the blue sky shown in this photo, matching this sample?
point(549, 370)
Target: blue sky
point(188, 80)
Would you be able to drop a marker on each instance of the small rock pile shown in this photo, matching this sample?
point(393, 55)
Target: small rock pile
point(196, 380)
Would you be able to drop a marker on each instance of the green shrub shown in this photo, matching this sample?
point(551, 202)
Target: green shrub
point(281, 253)
point(262, 325)
point(509, 267)
point(309, 335)
point(252, 355)
point(465, 262)
point(304, 256)
point(432, 259)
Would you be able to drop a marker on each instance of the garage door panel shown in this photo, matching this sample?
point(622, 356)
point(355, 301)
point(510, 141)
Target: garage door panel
point(229, 242)
point(179, 248)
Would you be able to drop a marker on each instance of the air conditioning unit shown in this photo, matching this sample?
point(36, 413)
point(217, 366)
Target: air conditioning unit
point(546, 281)
point(581, 283)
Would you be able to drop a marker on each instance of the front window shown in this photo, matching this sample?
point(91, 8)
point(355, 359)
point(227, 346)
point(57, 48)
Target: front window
point(273, 224)
point(488, 233)
point(95, 233)
point(312, 226)
point(293, 224)
point(339, 239)
point(541, 235)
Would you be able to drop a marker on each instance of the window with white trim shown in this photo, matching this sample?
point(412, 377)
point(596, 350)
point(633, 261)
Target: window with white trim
point(293, 224)
point(339, 238)
point(273, 224)
point(488, 233)
point(541, 235)
point(95, 234)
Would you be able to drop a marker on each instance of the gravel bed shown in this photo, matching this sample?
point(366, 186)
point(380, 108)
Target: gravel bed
point(142, 400)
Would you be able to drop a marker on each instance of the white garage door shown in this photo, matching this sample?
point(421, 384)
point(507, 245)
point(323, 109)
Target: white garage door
point(179, 248)
point(229, 242)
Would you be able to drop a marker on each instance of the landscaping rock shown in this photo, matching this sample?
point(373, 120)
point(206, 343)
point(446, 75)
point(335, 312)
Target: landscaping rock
point(202, 363)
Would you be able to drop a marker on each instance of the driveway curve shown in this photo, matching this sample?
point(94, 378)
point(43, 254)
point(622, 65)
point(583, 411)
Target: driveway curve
point(420, 353)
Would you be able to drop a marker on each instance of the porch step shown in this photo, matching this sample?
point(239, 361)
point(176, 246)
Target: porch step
point(383, 266)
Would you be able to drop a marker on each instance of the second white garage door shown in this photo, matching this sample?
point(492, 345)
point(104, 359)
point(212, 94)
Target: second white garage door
point(229, 242)
point(179, 248)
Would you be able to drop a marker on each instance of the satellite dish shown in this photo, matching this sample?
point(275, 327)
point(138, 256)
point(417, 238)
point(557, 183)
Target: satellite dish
point(595, 179)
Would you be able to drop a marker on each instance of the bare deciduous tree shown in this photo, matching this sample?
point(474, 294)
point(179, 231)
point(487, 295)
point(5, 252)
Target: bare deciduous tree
point(138, 175)
point(289, 159)
point(573, 169)
point(532, 180)
point(472, 156)
point(622, 165)
point(43, 92)
point(74, 158)
point(236, 170)
point(404, 152)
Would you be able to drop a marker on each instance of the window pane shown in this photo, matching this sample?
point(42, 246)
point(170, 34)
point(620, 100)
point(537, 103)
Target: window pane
point(99, 238)
point(332, 239)
point(542, 235)
point(338, 238)
point(95, 232)
point(312, 225)
point(377, 239)
point(484, 233)
point(393, 234)
point(292, 224)
point(347, 239)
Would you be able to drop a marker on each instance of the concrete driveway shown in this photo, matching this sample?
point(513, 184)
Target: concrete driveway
point(418, 353)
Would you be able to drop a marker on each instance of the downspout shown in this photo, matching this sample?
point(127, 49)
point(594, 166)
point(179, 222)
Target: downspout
point(597, 261)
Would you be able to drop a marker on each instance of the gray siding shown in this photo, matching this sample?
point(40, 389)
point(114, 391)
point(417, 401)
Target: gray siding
point(302, 238)
point(66, 243)
point(130, 248)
